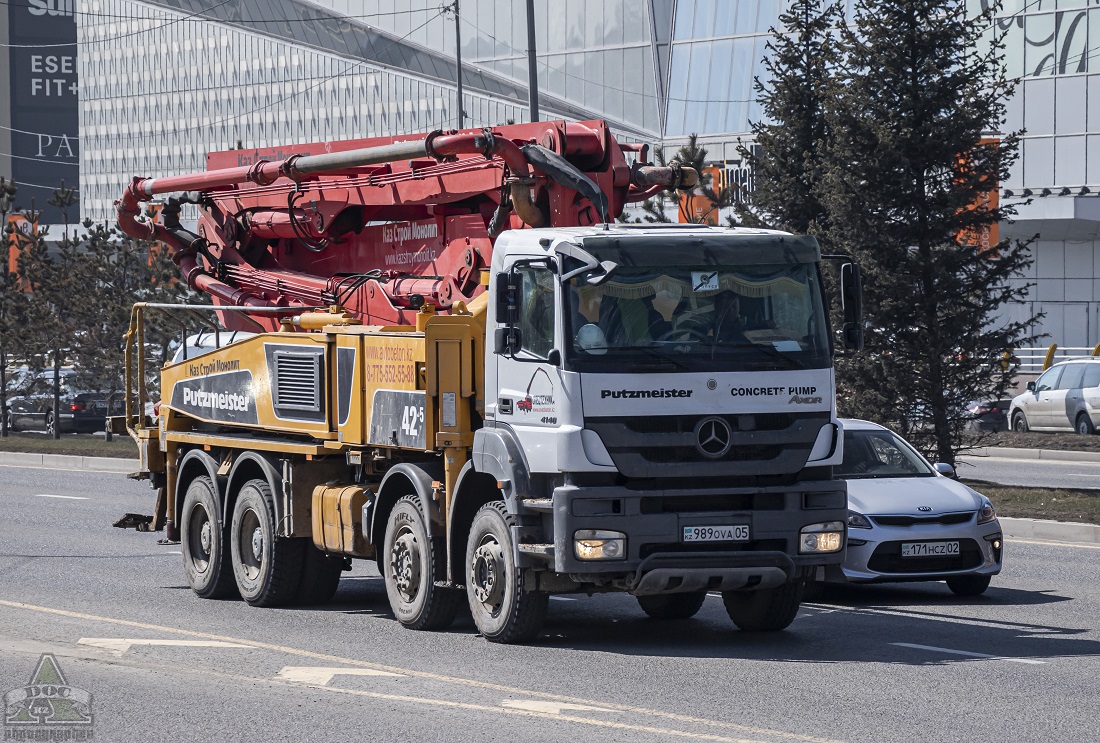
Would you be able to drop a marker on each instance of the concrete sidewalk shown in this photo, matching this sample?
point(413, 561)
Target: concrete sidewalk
point(68, 462)
point(1007, 452)
point(1055, 531)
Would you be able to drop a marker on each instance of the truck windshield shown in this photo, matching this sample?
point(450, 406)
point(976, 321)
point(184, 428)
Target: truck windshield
point(699, 318)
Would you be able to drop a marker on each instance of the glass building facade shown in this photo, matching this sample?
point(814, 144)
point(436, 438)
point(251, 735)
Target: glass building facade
point(162, 82)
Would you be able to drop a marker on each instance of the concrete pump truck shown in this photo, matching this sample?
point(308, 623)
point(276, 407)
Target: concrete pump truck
point(466, 372)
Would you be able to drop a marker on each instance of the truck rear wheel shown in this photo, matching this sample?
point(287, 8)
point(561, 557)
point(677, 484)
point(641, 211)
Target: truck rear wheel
point(765, 609)
point(320, 576)
point(204, 544)
point(673, 605)
point(412, 562)
point(502, 610)
point(268, 569)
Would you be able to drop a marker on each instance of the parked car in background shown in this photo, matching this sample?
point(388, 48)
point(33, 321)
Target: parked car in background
point(81, 410)
point(988, 415)
point(1066, 397)
point(911, 521)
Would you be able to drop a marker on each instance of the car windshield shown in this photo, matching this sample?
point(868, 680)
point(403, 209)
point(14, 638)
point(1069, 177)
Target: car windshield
point(880, 454)
point(698, 316)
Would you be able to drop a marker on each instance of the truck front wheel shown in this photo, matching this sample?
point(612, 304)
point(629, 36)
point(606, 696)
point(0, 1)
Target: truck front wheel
point(503, 611)
point(765, 609)
point(412, 562)
point(268, 569)
point(204, 543)
point(673, 605)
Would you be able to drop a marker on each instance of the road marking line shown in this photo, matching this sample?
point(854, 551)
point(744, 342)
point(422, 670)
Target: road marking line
point(551, 708)
point(967, 653)
point(563, 598)
point(564, 718)
point(1046, 543)
point(66, 497)
point(120, 645)
point(322, 675)
point(515, 691)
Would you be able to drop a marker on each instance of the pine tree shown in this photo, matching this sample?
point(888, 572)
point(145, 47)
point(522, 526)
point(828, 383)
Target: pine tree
point(10, 299)
point(58, 298)
point(788, 160)
point(905, 191)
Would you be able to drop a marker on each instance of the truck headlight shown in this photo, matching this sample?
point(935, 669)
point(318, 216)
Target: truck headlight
point(827, 536)
point(599, 544)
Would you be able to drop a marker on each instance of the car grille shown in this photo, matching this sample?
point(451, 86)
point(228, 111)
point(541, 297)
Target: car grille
point(942, 518)
point(664, 446)
point(887, 559)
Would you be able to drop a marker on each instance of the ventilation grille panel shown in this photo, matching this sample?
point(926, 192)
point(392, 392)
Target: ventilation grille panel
point(298, 381)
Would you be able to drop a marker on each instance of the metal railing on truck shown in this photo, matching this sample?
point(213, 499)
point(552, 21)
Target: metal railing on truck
point(136, 386)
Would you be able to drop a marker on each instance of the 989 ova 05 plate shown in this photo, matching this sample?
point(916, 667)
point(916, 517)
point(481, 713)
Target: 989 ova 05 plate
point(728, 533)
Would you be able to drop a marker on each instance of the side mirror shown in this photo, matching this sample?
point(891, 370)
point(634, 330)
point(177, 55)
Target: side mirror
point(851, 302)
point(1030, 386)
point(508, 340)
point(507, 297)
point(946, 470)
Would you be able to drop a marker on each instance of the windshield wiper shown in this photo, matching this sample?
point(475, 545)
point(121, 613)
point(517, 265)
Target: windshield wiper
point(660, 359)
point(770, 350)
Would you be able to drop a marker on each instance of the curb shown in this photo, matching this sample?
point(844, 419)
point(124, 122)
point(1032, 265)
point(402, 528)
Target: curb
point(1050, 455)
point(69, 462)
point(1055, 531)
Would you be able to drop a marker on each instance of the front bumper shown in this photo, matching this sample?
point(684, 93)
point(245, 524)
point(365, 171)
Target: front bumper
point(657, 560)
point(878, 559)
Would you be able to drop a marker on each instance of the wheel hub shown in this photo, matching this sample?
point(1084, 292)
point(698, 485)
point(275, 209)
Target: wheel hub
point(405, 568)
point(487, 573)
point(258, 543)
point(204, 537)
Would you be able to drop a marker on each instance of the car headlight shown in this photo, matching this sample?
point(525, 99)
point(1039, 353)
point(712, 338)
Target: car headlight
point(857, 520)
point(987, 512)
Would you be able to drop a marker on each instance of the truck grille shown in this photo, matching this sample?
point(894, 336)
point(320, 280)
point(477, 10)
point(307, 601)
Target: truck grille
point(760, 545)
point(666, 446)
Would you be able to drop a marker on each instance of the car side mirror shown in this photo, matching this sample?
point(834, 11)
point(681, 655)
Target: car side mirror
point(946, 470)
point(1030, 386)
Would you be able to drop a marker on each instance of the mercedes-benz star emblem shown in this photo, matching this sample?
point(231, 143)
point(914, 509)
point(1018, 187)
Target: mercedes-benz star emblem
point(713, 437)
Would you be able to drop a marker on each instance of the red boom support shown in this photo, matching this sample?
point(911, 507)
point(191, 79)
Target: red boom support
point(380, 225)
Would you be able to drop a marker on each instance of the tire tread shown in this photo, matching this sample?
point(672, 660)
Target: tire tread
point(764, 610)
point(531, 606)
point(286, 556)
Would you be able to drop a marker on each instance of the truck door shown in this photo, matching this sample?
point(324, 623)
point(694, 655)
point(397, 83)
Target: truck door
point(527, 382)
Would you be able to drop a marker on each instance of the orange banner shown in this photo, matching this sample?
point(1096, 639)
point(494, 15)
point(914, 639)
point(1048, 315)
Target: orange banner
point(987, 237)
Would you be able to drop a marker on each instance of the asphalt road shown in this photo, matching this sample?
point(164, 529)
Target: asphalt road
point(1047, 473)
point(898, 663)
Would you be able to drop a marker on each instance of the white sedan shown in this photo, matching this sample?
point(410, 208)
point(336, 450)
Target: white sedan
point(910, 521)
